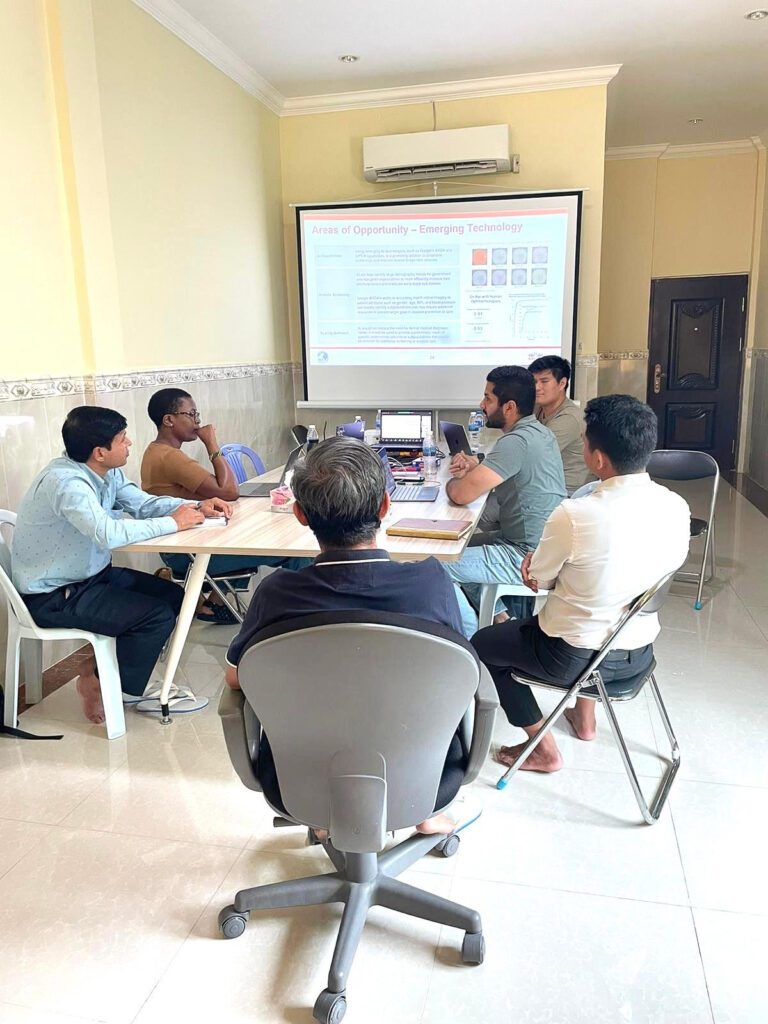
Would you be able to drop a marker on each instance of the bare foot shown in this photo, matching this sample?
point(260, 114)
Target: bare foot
point(320, 834)
point(537, 761)
point(583, 723)
point(89, 691)
point(441, 823)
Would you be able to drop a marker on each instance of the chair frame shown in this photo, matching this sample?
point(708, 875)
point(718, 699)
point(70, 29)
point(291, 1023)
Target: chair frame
point(599, 691)
point(22, 627)
point(709, 531)
point(232, 455)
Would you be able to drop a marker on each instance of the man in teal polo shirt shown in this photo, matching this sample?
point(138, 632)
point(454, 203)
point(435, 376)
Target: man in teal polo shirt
point(524, 471)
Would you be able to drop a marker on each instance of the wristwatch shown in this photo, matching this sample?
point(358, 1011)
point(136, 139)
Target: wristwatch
point(215, 455)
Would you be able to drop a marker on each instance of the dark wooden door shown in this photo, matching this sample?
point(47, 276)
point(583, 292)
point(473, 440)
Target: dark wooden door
point(694, 365)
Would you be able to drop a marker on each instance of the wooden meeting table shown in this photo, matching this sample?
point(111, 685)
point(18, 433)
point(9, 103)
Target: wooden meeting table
point(255, 530)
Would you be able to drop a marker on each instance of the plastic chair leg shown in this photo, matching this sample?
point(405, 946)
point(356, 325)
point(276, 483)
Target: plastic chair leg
point(111, 690)
point(32, 660)
point(11, 697)
point(488, 598)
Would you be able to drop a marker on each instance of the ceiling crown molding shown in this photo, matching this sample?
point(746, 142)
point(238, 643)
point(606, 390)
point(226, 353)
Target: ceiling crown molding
point(635, 152)
point(736, 147)
point(190, 31)
point(178, 21)
point(538, 81)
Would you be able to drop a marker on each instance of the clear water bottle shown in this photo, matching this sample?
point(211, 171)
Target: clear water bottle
point(312, 436)
point(429, 457)
point(377, 424)
point(476, 429)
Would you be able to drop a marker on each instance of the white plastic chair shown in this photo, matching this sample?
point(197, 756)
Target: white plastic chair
point(21, 626)
point(491, 592)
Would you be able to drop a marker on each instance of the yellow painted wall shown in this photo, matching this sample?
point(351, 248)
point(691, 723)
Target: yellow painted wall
point(193, 167)
point(560, 136)
point(670, 218)
point(39, 331)
point(704, 216)
point(627, 254)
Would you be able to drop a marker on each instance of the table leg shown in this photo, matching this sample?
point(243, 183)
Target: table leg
point(192, 590)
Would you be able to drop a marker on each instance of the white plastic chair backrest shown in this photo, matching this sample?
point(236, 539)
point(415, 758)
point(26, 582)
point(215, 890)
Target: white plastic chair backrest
point(15, 604)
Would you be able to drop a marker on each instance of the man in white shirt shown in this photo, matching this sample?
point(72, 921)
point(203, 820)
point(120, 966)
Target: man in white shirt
point(595, 556)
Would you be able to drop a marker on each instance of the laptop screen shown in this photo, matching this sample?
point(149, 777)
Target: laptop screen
point(402, 426)
point(391, 482)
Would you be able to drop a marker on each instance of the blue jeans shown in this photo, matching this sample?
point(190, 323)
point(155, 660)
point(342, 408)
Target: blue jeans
point(219, 564)
point(490, 562)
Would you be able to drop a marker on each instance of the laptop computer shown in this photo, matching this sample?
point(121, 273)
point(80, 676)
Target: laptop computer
point(261, 488)
point(404, 428)
point(407, 492)
point(455, 437)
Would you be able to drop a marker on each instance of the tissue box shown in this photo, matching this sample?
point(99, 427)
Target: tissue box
point(281, 499)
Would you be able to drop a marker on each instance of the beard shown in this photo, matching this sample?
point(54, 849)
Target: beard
point(495, 420)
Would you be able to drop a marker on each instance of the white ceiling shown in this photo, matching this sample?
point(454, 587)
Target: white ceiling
point(680, 58)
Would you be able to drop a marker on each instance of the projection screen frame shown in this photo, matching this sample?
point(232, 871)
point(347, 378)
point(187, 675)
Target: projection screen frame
point(435, 401)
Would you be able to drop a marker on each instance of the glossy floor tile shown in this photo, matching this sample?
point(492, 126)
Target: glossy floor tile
point(115, 859)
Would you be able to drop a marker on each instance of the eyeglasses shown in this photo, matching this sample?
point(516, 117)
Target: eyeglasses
point(194, 416)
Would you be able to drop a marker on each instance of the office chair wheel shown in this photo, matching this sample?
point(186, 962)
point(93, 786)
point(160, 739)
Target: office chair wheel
point(448, 847)
point(232, 923)
point(473, 948)
point(330, 1007)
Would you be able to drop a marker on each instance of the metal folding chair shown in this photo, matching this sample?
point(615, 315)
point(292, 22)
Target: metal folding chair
point(667, 464)
point(590, 685)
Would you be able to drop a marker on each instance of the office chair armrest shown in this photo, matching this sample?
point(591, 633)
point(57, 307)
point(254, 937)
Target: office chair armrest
point(241, 732)
point(486, 702)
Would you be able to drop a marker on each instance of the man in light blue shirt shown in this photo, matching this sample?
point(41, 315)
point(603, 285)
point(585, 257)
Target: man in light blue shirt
point(69, 521)
point(525, 472)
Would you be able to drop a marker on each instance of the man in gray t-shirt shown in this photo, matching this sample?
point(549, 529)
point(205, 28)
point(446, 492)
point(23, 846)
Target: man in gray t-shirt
point(563, 417)
point(525, 472)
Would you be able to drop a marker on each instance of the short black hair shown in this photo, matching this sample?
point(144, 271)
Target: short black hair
point(88, 427)
point(340, 487)
point(559, 368)
point(514, 384)
point(623, 428)
point(165, 402)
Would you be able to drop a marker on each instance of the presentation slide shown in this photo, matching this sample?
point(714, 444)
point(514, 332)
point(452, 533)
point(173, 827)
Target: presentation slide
point(393, 293)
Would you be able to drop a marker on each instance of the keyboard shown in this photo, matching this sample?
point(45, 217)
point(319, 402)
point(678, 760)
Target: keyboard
point(415, 492)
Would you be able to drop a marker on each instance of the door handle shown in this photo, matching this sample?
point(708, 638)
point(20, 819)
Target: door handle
point(658, 377)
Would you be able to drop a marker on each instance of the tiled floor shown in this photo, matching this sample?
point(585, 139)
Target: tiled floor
point(116, 857)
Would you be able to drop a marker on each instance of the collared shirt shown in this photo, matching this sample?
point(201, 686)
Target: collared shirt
point(528, 460)
point(567, 424)
point(364, 579)
point(598, 553)
point(70, 519)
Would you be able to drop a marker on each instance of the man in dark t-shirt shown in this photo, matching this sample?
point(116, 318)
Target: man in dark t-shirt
point(341, 495)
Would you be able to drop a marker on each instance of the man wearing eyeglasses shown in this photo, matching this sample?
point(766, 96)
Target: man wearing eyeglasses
point(167, 470)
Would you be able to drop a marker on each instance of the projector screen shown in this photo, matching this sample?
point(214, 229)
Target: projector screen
point(412, 302)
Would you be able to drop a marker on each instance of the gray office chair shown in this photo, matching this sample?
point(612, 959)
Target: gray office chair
point(591, 686)
point(360, 710)
point(667, 464)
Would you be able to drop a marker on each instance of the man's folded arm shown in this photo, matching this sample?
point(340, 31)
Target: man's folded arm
point(78, 504)
point(554, 549)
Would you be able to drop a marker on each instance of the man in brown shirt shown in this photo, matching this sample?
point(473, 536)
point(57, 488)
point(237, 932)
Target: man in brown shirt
point(167, 470)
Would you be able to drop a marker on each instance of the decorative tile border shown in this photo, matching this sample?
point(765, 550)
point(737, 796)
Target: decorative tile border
point(611, 356)
point(590, 360)
point(756, 353)
point(94, 384)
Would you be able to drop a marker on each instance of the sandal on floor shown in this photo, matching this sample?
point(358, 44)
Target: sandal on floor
point(222, 616)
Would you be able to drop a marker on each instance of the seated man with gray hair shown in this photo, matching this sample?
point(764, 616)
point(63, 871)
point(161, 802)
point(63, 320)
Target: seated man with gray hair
point(341, 496)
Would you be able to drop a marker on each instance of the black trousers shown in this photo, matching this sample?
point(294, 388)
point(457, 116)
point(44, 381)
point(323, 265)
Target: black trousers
point(138, 609)
point(520, 645)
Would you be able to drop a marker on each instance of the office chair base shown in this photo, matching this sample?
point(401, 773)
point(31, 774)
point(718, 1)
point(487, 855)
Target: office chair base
point(360, 881)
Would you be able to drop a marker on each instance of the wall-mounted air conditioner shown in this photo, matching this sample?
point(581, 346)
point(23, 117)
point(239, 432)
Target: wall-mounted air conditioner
point(444, 154)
